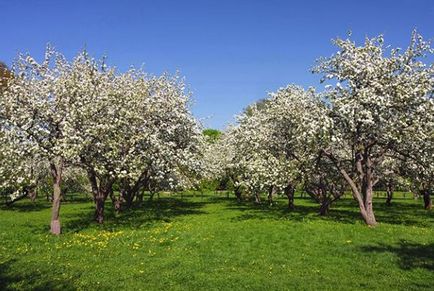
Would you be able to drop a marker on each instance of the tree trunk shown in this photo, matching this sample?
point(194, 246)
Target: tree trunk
point(237, 192)
point(55, 211)
point(131, 191)
point(104, 190)
point(118, 205)
point(289, 192)
point(368, 215)
point(427, 200)
point(32, 193)
point(128, 198)
point(325, 207)
point(151, 195)
point(56, 173)
point(363, 190)
point(101, 189)
point(116, 201)
point(257, 197)
point(99, 208)
point(271, 192)
point(389, 193)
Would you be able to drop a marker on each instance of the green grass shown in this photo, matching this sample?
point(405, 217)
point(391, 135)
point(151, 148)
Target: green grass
point(213, 243)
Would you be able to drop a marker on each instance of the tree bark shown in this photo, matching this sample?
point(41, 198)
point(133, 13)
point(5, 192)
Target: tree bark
point(271, 192)
point(116, 201)
point(30, 191)
point(33, 194)
point(289, 192)
point(99, 208)
point(129, 197)
point(105, 189)
point(389, 193)
point(237, 192)
point(129, 190)
point(101, 189)
point(257, 197)
point(427, 200)
point(369, 193)
point(363, 191)
point(56, 173)
point(325, 207)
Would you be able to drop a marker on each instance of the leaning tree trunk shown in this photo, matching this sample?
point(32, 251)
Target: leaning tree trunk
point(56, 173)
point(366, 208)
point(364, 194)
point(389, 193)
point(366, 199)
point(289, 192)
point(426, 199)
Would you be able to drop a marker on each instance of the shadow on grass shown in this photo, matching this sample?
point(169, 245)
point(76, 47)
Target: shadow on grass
point(402, 212)
point(41, 204)
point(163, 209)
point(410, 255)
point(26, 206)
point(29, 280)
point(281, 212)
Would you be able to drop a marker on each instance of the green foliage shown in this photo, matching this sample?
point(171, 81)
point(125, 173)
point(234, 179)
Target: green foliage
point(216, 184)
point(212, 135)
point(181, 242)
point(209, 185)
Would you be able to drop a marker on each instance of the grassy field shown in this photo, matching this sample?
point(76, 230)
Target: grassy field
point(212, 243)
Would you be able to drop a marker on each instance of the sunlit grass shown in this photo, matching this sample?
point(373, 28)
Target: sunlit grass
point(211, 242)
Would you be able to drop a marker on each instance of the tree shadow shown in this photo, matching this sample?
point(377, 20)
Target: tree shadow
point(280, 211)
point(402, 212)
point(40, 204)
point(144, 215)
point(410, 255)
point(26, 206)
point(29, 280)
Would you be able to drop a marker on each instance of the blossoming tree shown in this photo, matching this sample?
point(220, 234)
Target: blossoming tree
point(381, 99)
point(129, 128)
point(36, 116)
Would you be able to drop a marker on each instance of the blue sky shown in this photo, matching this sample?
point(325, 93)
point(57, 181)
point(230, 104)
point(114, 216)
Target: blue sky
point(230, 52)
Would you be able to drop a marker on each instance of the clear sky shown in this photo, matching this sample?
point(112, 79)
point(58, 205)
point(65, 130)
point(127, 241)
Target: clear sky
point(230, 52)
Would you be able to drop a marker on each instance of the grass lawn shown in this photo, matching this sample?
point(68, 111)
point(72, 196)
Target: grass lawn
point(213, 243)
